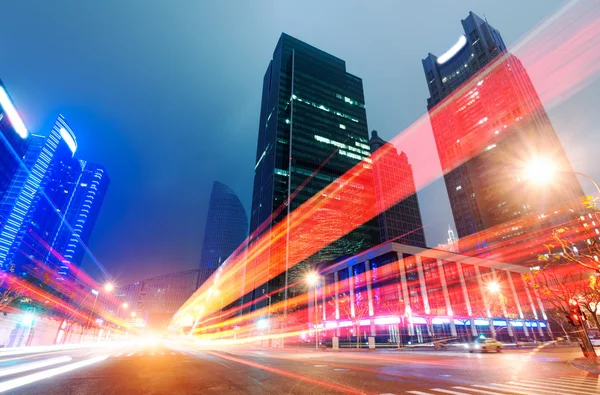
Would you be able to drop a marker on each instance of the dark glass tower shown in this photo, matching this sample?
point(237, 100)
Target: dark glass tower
point(394, 181)
point(226, 230)
point(488, 123)
point(313, 128)
point(14, 139)
point(88, 183)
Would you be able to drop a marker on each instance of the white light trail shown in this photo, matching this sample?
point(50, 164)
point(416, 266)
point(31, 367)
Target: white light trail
point(34, 365)
point(13, 115)
point(18, 382)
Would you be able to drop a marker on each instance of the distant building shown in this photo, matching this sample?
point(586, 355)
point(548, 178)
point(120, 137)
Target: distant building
point(396, 196)
point(452, 244)
point(155, 300)
point(313, 129)
point(488, 123)
point(14, 139)
point(225, 232)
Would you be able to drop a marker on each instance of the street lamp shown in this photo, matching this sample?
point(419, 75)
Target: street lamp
point(108, 287)
point(493, 287)
point(312, 279)
point(541, 170)
point(133, 314)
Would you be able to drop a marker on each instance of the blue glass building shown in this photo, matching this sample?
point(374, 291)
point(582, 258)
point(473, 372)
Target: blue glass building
point(226, 230)
point(69, 242)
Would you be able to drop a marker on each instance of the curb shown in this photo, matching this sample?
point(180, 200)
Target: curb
point(588, 366)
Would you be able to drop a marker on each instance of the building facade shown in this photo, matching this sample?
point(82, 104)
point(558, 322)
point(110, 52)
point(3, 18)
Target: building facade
point(88, 183)
point(406, 294)
point(313, 129)
point(14, 139)
point(225, 232)
point(489, 123)
point(33, 198)
point(401, 222)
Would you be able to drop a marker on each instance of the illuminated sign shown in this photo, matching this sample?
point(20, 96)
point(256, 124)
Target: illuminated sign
point(13, 116)
point(446, 56)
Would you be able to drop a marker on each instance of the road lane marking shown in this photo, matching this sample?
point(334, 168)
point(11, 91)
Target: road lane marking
point(118, 355)
point(33, 365)
point(130, 354)
point(512, 390)
point(514, 387)
point(419, 393)
point(448, 391)
point(478, 391)
point(553, 384)
point(320, 366)
point(535, 388)
point(18, 382)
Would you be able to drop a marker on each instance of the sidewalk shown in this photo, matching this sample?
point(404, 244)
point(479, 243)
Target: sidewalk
point(590, 365)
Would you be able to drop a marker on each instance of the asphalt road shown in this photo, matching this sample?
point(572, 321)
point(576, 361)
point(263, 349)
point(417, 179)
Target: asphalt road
point(166, 368)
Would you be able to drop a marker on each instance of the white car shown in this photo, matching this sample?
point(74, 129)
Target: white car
point(485, 345)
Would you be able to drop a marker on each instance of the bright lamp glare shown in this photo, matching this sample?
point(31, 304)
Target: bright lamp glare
point(109, 287)
point(493, 287)
point(262, 324)
point(539, 171)
point(312, 279)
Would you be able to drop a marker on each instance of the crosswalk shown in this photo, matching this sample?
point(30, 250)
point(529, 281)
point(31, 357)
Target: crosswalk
point(545, 386)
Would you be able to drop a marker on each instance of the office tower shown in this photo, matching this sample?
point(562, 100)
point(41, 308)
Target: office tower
point(88, 185)
point(313, 128)
point(14, 139)
point(28, 204)
point(226, 230)
point(393, 177)
point(488, 123)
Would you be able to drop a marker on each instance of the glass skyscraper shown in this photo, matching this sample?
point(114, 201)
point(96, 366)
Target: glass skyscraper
point(225, 232)
point(28, 202)
point(488, 123)
point(313, 129)
point(400, 217)
point(69, 243)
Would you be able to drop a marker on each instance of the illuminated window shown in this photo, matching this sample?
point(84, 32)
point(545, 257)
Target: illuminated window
point(342, 126)
point(458, 188)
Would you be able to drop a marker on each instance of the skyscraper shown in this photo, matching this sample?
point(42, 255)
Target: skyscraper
point(313, 128)
point(488, 123)
point(401, 222)
point(226, 230)
point(27, 196)
point(14, 139)
point(69, 242)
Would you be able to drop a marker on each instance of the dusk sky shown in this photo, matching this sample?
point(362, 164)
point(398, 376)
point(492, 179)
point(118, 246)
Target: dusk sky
point(166, 95)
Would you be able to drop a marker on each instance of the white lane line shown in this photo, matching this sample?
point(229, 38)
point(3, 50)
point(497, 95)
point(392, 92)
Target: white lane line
point(580, 378)
point(560, 384)
point(512, 390)
point(34, 365)
point(320, 366)
point(118, 355)
point(586, 382)
point(478, 391)
point(18, 382)
point(130, 354)
point(514, 386)
point(448, 391)
point(536, 386)
point(387, 393)
point(419, 393)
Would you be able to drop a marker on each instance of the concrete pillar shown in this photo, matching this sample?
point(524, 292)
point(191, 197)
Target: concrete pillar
point(449, 310)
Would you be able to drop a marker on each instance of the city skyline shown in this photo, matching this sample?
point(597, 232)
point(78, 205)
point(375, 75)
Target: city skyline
point(410, 100)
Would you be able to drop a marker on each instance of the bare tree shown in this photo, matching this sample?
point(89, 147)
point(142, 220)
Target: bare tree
point(397, 308)
point(361, 310)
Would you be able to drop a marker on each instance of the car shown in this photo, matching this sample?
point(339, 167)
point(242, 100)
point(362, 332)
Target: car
point(485, 345)
point(595, 341)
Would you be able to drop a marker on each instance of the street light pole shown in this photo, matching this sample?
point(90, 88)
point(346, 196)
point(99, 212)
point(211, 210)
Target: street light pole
point(316, 319)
